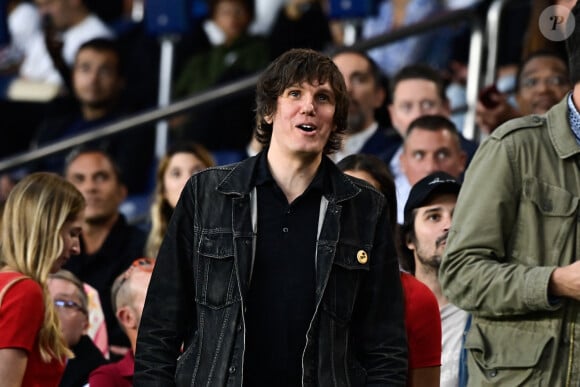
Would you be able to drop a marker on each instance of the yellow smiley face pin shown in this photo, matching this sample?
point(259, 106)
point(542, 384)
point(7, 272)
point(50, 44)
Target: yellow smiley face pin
point(362, 257)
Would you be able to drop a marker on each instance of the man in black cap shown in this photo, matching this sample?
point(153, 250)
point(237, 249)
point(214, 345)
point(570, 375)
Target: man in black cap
point(428, 213)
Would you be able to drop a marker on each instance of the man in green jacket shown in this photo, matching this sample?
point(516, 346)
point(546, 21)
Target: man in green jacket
point(512, 250)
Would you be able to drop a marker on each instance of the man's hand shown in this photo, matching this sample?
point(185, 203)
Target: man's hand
point(488, 119)
point(565, 281)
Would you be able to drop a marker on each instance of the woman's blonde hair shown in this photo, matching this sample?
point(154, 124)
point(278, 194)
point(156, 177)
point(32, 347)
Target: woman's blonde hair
point(35, 212)
point(161, 211)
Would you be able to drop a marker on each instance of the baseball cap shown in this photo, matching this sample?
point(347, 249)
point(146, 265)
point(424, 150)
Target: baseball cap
point(437, 182)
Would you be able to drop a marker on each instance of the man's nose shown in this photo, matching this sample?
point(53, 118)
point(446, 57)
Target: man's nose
point(308, 105)
point(447, 218)
point(431, 165)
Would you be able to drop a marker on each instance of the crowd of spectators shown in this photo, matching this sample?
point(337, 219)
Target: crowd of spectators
point(77, 65)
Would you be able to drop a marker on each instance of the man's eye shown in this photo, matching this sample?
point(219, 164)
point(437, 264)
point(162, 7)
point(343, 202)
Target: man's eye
point(529, 82)
point(418, 155)
point(294, 93)
point(442, 155)
point(427, 105)
point(359, 78)
point(83, 68)
point(556, 80)
point(405, 107)
point(434, 217)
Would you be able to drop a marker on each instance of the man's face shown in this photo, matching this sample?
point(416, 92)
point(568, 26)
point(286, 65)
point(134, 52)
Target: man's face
point(303, 121)
point(139, 284)
point(427, 151)
point(59, 11)
point(96, 80)
point(413, 98)
point(432, 223)
point(93, 174)
point(233, 19)
point(365, 95)
point(543, 83)
point(73, 321)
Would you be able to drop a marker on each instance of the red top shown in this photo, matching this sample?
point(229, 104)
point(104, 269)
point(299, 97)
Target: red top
point(422, 322)
point(21, 317)
point(119, 374)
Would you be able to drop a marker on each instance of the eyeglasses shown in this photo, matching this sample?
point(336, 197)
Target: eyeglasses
point(552, 81)
point(69, 306)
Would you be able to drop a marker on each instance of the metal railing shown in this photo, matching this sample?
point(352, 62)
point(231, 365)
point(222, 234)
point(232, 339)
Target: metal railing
point(248, 83)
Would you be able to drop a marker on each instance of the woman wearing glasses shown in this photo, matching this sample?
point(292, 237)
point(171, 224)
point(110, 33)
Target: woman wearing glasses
point(41, 226)
point(72, 306)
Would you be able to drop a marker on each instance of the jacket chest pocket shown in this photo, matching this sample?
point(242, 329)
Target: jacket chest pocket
point(351, 265)
point(548, 217)
point(216, 282)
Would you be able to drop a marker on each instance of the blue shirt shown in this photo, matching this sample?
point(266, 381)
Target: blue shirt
point(574, 118)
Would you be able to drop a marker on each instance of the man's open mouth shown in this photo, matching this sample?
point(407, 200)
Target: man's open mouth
point(307, 128)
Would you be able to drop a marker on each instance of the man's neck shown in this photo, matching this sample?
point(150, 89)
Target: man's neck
point(361, 129)
point(95, 233)
point(91, 113)
point(293, 175)
point(428, 275)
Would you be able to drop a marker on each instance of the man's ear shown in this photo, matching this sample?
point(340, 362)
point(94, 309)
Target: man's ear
point(447, 108)
point(123, 191)
point(127, 318)
point(409, 243)
point(463, 160)
point(403, 161)
point(379, 97)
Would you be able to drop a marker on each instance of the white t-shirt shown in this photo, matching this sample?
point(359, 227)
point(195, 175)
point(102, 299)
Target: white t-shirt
point(453, 322)
point(38, 66)
point(402, 185)
point(355, 142)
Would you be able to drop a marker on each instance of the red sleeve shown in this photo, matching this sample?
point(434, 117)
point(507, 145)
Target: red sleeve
point(423, 323)
point(106, 376)
point(21, 314)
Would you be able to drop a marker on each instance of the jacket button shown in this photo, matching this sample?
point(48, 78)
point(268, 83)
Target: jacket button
point(232, 370)
point(547, 205)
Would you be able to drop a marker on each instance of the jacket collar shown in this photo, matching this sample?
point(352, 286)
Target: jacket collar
point(559, 130)
point(240, 181)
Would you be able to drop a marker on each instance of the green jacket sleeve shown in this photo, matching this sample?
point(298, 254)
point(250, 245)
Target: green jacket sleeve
point(477, 272)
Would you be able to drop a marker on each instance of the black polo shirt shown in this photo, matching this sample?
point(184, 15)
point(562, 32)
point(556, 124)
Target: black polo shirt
point(281, 298)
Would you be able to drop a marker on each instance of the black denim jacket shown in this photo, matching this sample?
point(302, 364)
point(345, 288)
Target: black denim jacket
point(196, 295)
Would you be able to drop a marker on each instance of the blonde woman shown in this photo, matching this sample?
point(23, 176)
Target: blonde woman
point(41, 226)
point(180, 162)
